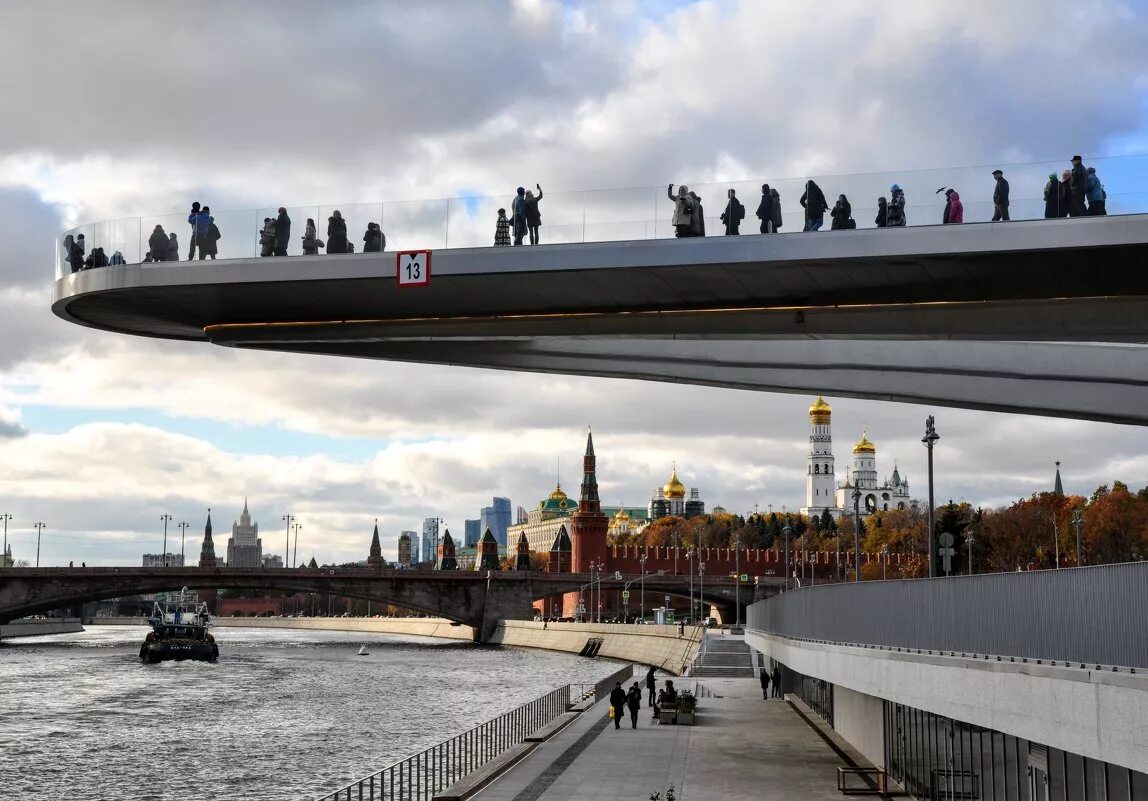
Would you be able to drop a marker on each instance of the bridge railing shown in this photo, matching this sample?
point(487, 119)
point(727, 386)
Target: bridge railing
point(1090, 616)
point(618, 214)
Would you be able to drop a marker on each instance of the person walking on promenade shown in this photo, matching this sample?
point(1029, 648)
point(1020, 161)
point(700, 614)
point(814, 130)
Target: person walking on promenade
point(311, 241)
point(957, 208)
point(209, 242)
point(733, 215)
point(897, 207)
point(882, 218)
point(651, 684)
point(502, 230)
point(518, 215)
point(282, 232)
point(157, 243)
point(533, 216)
point(1096, 195)
point(683, 211)
point(172, 247)
point(765, 210)
point(336, 233)
point(1000, 198)
point(634, 702)
point(842, 215)
point(776, 681)
point(815, 205)
point(764, 678)
point(618, 703)
point(199, 220)
point(1077, 188)
point(267, 238)
point(373, 239)
point(773, 193)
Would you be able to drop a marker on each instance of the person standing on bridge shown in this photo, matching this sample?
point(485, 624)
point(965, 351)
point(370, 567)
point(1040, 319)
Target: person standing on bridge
point(1052, 195)
point(618, 703)
point(813, 200)
point(533, 216)
point(698, 216)
point(518, 214)
point(896, 216)
point(683, 211)
point(733, 215)
point(957, 208)
point(1000, 198)
point(282, 232)
point(634, 703)
point(776, 680)
point(373, 239)
point(651, 685)
point(1096, 195)
point(882, 218)
point(777, 219)
point(336, 233)
point(842, 215)
point(502, 230)
point(1077, 188)
point(765, 210)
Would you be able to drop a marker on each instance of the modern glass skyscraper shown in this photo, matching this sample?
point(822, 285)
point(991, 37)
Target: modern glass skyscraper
point(472, 532)
point(495, 517)
point(429, 540)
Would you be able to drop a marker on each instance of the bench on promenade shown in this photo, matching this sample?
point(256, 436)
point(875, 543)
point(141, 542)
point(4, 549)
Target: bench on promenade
point(873, 781)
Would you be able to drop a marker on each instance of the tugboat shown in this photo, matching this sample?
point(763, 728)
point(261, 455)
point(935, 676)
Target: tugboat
point(179, 633)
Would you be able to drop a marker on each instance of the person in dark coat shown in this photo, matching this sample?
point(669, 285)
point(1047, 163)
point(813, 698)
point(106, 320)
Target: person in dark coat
point(842, 215)
point(765, 210)
point(948, 204)
point(1052, 194)
point(618, 702)
point(1065, 194)
point(157, 242)
point(373, 239)
point(1077, 188)
point(882, 218)
point(172, 247)
point(733, 215)
point(1000, 197)
point(336, 233)
point(193, 220)
point(533, 216)
point(777, 220)
point(634, 702)
point(75, 248)
point(815, 205)
point(209, 242)
point(311, 241)
point(698, 217)
point(764, 678)
point(282, 232)
point(683, 211)
point(518, 215)
point(776, 681)
point(651, 684)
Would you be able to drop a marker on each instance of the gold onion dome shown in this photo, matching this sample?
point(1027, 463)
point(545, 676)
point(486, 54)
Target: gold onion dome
point(820, 410)
point(557, 500)
point(864, 445)
point(673, 487)
point(622, 514)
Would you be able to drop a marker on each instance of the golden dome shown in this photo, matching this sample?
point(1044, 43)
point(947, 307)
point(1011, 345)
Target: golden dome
point(820, 412)
point(864, 445)
point(622, 514)
point(557, 501)
point(673, 487)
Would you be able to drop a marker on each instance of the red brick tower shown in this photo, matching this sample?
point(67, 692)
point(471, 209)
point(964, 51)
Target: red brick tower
point(588, 525)
point(207, 556)
point(375, 559)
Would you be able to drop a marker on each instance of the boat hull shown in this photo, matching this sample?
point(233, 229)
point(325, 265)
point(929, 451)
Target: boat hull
point(153, 652)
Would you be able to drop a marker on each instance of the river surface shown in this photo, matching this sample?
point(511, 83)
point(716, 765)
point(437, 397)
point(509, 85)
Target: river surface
point(284, 714)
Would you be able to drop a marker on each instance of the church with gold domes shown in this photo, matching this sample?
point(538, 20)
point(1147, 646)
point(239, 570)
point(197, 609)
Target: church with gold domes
point(823, 493)
point(670, 500)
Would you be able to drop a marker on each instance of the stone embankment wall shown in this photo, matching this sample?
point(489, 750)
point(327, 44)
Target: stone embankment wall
point(660, 646)
point(40, 628)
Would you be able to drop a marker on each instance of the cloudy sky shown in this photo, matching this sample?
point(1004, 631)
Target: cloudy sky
point(125, 109)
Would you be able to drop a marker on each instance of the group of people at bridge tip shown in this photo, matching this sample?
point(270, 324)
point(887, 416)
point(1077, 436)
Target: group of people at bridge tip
point(525, 219)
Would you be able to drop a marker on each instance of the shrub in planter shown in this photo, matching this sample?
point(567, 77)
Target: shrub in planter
point(687, 702)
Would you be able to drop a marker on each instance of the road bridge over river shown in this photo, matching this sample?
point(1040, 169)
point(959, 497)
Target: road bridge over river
point(471, 598)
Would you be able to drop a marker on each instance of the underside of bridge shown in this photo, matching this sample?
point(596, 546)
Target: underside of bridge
point(1038, 317)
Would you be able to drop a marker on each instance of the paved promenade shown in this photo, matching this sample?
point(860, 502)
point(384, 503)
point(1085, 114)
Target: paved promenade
point(741, 748)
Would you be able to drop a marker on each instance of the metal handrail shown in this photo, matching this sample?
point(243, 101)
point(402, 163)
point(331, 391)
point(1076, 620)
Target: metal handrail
point(419, 777)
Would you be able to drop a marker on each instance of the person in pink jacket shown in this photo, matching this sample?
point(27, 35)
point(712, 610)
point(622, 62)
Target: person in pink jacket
point(956, 208)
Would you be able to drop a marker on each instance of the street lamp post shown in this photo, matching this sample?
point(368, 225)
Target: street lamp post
point(737, 586)
point(838, 569)
point(787, 530)
point(930, 439)
point(295, 550)
point(690, 563)
point(642, 562)
point(165, 518)
point(702, 588)
point(1077, 523)
point(39, 531)
point(4, 554)
point(969, 540)
point(856, 533)
point(183, 543)
point(1055, 541)
point(288, 519)
point(884, 563)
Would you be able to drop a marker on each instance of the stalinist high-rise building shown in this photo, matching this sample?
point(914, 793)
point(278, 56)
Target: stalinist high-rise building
point(820, 485)
point(245, 549)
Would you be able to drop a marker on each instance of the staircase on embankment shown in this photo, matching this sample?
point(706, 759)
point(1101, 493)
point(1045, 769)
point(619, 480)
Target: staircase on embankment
point(725, 657)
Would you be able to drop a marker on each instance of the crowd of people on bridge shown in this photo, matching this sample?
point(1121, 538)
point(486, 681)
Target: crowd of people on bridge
point(1077, 192)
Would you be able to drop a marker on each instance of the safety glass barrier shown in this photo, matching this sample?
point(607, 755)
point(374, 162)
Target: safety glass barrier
point(607, 215)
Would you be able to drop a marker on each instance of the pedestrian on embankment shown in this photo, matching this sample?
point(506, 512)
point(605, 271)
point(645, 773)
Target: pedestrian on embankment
point(634, 702)
point(618, 703)
point(764, 676)
point(651, 684)
point(776, 680)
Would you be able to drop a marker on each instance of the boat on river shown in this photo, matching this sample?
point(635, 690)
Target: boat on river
point(179, 631)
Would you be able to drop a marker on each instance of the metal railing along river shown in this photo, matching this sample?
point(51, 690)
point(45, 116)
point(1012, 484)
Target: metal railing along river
point(419, 777)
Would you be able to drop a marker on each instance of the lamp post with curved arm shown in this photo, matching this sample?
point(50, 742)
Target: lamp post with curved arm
point(165, 519)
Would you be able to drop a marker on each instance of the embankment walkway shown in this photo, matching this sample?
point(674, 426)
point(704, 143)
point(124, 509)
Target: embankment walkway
point(742, 747)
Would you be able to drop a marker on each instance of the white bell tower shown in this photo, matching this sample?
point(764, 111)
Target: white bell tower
point(820, 484)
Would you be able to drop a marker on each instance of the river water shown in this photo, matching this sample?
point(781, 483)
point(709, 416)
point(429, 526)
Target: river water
point(284, 714)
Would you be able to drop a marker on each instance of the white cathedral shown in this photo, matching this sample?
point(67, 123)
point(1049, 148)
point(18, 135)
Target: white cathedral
point(823, 493)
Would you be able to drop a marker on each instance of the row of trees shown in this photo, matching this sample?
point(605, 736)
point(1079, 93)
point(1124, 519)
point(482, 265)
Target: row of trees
point(1031, 533)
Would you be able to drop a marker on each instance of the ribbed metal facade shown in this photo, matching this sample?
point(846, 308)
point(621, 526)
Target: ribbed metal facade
point(1087, 615)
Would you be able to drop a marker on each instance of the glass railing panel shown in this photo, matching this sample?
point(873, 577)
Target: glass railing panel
point(623, 214)
point(472, 220)
point(417, 225)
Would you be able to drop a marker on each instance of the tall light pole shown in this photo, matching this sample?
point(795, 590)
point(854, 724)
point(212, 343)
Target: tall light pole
point(183, 543)
point(165, 519)
point(702, 587)
point(677, 547)
point(884, 563)
point(930, 439)
point(737, 578)
point(39, 531)
point(969, 540)
point(642, 562)
point(4, 554)
point(1077, 523)
point(288, 519)
point(856, 533)
point(787, 529)
point(295, 550)
point(1055, 541)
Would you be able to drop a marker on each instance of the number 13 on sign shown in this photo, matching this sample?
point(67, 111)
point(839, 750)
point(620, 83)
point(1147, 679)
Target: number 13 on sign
point(412, 267)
